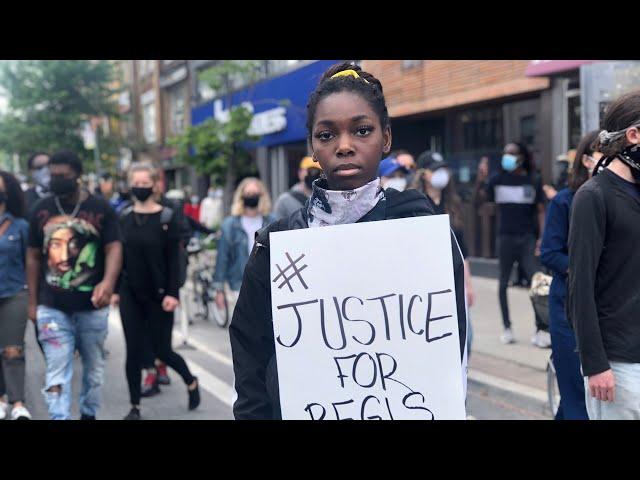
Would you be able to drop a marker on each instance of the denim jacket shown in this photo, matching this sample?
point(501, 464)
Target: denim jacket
point(13, 251)
point(233, 252)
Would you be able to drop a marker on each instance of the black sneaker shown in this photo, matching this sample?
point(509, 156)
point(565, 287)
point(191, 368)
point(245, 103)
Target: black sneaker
point(150, 387)
point(194, 396)
point(134, 414)
point(87, 417)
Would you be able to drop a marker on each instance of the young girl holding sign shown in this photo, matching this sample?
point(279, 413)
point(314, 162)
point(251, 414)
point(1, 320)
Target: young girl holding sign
point(349, 132)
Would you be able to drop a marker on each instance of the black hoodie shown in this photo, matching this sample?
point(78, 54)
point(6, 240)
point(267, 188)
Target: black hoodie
point(251, 329)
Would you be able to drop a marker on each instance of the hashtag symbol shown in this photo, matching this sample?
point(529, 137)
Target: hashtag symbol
point(295, 273)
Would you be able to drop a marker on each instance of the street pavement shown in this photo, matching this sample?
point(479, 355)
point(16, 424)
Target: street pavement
point(506, 382)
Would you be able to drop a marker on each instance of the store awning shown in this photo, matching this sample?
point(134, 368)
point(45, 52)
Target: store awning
point(537, 68)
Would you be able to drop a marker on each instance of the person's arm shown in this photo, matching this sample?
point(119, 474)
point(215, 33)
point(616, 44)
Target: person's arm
point(112, 265)
point(586, 241)
point(33, 277)
point(34, 250)
point(251, 336)
point(112, 262)
point(553, 250)
point(172, 285)
point(468, 285)
point(222, 257)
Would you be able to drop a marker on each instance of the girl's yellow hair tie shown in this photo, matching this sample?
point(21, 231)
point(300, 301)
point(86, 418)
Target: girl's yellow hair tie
point(348, 73)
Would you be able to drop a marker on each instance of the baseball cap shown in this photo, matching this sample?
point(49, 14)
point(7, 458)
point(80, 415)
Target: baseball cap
point(431, 161)
point(307, 163)
point(390, 165)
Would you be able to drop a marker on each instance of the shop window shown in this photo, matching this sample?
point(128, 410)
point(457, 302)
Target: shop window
point(408, 64)
point(149, 122)
point(176, 110)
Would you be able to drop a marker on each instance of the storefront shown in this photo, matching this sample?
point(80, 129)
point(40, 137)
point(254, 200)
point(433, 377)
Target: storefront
point(279, 105)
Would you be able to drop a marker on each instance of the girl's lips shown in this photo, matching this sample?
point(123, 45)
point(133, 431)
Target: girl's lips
point(347, 170)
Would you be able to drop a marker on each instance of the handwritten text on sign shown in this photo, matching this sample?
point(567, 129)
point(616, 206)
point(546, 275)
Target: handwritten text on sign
point(365, 321)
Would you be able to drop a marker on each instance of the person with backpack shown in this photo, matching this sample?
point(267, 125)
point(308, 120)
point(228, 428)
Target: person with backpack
point(149, 284)
point(291, 200)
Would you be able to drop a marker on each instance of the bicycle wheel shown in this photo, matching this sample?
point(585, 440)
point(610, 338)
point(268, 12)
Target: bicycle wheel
point(220, 316)
point(196, 306)
point(553, 392)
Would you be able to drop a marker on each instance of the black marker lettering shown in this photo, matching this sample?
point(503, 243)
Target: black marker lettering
point(400, 298)
point(355, 367)
point(388, 408)
point(295, 309)
point(336, 410)
point(344, 314)
point(364, 404)
point(309, 410)
point(409, 314)
point(384, 311)
point(340, 375)
point(340, 323)
point(408, 396)
point(429, 319)
point(387, 375)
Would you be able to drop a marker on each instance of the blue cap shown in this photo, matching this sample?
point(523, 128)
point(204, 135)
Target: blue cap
point(390, 165)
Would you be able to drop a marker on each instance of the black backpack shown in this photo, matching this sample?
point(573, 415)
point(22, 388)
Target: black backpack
point(166, 215)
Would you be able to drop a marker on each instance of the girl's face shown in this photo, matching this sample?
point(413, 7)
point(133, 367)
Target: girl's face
point(348, 140)
point(141, 179)
point(252, 189)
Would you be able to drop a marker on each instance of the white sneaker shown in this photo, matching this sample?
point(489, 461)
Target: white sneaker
point(4, 407)
point(20, 413)
point(541, 339)
point(507, 336)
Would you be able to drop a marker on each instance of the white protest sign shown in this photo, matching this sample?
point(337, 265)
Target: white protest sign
point(365, 321)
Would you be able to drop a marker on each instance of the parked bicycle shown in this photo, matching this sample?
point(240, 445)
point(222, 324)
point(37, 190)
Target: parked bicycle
point(200, 294)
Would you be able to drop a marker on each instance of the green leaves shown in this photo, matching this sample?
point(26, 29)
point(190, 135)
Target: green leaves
point(215, 148)
point(49, 99)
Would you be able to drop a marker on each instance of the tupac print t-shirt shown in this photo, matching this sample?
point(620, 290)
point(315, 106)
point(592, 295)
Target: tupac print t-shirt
point(72, 250)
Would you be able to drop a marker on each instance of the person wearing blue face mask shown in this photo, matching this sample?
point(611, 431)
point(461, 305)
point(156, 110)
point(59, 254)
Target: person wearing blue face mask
point(520, 201)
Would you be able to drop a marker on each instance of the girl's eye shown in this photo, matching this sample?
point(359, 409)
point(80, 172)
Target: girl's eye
point(364, 131)
point(324, 136)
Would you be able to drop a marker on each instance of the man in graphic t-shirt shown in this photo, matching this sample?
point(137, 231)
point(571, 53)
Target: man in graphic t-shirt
point(73, 262)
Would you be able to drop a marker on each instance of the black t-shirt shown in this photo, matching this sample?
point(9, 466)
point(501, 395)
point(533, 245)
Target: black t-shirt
point(150, 254)
point(517, 197)
point(72, 250)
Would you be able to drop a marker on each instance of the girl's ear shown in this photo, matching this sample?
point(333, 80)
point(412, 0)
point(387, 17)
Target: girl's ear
point(633, 135)
point(386, 138)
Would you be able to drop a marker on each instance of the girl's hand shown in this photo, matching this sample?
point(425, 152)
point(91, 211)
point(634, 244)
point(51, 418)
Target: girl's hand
point(169, 303)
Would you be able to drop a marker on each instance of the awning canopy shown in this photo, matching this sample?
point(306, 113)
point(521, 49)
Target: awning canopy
point(537, 68)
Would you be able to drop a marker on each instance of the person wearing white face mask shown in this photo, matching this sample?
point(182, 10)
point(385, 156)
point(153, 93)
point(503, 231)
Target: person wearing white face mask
point(433, 178)
point(393, 174)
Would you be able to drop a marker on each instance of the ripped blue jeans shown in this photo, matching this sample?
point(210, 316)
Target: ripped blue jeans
point(61, 334)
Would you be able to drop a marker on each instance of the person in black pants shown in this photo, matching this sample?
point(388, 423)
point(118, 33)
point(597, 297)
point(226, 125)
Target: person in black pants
point(520, 199)
point(149, 284)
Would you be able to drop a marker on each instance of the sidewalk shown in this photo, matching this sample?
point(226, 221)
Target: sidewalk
point(518, 368)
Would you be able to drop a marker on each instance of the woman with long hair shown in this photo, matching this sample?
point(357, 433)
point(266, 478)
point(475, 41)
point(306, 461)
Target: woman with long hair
point(13, 297)
point(555, 256)
point(250, 212)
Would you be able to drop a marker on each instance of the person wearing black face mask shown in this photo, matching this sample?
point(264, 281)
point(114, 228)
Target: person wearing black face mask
point(249, 213)
point(603, 281)
point(149, 286)
point(291, 200)
point(73, 262)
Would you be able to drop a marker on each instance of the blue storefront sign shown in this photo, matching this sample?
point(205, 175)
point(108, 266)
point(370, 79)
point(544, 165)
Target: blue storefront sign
point(278, 123)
